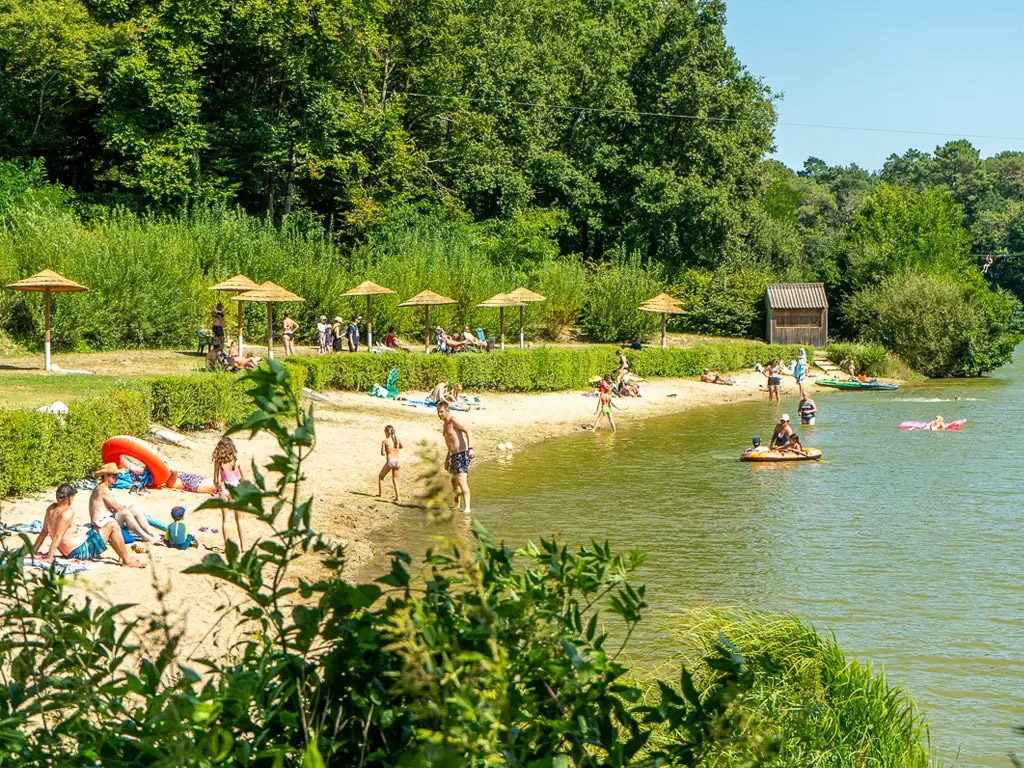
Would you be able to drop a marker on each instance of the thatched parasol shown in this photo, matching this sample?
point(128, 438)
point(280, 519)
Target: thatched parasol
point(525, 295)
point(501, 300)
point(47, 282)
point(664, 305)
point(269, 292)
point(237, 284)
point(368, 289)
point(427, 299)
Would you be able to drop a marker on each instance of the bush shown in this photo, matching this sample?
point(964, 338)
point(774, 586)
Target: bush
point(870, 359)
point(806, 699)
point(939, 328)
point(560, 282)
point(614, 291)
point(199, 401)
point(722, 303)
point(39, 450)
point(545, 369)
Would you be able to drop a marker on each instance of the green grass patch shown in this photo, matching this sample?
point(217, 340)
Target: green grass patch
point(27, 390)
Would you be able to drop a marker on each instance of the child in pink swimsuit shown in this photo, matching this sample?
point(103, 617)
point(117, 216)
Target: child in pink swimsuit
point(227, 473)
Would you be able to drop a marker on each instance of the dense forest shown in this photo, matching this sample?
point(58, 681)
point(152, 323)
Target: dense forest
point(466, 146)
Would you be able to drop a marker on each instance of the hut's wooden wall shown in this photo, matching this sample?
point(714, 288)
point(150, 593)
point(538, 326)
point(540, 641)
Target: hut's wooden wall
point(798, 326)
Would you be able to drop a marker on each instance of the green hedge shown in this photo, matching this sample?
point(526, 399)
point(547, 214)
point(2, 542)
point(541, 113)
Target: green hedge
point(547, 369)
point(41, 449)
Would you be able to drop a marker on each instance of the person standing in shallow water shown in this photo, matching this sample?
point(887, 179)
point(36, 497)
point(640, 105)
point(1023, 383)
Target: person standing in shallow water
point(459, 442)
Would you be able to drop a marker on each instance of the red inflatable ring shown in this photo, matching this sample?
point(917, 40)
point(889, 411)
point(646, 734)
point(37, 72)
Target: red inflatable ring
point(117, 448)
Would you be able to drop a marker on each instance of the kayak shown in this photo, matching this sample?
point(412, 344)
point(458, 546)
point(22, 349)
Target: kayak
point(953, 426)
point(854, 384)
point(813, 454)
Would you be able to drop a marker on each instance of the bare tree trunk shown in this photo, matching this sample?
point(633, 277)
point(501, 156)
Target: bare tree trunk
point(289, 196)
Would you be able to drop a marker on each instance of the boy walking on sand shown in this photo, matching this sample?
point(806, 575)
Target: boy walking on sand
point(459, 442)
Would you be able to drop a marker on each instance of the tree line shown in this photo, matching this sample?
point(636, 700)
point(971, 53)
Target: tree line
point(541, 132)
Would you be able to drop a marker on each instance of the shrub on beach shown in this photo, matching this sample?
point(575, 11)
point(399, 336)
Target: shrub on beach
point(38, 450)
point(812, 704)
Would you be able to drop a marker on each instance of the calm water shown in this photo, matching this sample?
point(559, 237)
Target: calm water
point(907, 545)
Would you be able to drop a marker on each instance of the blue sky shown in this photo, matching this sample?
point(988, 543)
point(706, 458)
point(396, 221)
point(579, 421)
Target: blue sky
point(916, 65)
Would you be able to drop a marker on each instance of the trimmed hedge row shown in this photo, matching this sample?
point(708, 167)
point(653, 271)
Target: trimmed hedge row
point(39, 450)
point(531, 370)
point(42, 449)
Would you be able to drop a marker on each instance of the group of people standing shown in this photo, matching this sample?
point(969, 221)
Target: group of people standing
point(334, 336)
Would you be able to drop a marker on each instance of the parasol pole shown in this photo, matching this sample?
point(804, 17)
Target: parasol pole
point(521, 344)
point(369, 324)
point(426, 328)
point(46, 335)
point(240, 350)
point(270, 331)
point(501, 314)
point(664, 320)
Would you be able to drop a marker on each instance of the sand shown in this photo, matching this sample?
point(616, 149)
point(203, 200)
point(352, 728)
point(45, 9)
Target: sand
point(342, 478)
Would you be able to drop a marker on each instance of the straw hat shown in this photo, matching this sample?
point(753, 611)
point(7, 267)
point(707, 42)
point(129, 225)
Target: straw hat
point(110, 468)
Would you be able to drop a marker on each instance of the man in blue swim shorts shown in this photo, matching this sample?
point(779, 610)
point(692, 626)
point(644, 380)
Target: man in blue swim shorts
point(78, 543)
point(459, 442)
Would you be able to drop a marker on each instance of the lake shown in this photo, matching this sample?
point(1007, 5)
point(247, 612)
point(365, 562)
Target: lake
point(907, 545)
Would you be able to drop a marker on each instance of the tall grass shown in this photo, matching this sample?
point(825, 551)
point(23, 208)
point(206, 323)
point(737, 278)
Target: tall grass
point(149, 277)
point(810, 704)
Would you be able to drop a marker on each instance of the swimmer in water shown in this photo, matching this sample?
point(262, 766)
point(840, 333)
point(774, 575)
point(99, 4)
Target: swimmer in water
point(937, 424)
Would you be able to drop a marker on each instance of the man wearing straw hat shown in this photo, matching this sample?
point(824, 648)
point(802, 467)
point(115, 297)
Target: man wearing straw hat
point(103, 507)
point(79, 543)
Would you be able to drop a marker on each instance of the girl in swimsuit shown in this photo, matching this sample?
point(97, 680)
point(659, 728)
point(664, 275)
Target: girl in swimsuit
point(227, 473)
point(389, 449)
point(289, 327)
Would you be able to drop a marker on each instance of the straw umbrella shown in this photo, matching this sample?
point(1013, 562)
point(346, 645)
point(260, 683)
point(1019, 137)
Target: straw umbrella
point(664, 305)
point(525, 295)
point(368, 289)
point(501, 300)
point(237, 284)
point(269, 293)
point(427, 299)
point(47, 282)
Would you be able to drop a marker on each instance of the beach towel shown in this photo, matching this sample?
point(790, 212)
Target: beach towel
point(36, 526)
point(62, 567)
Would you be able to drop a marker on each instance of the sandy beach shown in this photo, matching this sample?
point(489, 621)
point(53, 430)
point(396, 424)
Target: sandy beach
point(342, 478)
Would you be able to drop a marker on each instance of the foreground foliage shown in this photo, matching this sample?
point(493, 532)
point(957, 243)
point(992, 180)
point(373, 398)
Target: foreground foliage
point(807, 702)
point(495, 658)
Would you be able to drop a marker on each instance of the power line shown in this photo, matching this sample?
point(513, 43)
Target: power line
point(704, 118)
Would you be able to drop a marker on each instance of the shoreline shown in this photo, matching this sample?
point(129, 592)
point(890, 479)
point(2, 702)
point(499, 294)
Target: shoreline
point(340, 478)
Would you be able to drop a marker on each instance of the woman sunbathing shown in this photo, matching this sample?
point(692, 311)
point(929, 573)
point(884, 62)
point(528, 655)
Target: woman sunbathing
point(713, 377)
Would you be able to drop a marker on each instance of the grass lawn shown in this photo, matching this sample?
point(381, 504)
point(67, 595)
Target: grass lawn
point(27, 390)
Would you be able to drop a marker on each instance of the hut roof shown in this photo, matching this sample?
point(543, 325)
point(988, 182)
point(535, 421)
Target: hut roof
point(501, 300)
point(236, 283)
point(368, 288)
point(796, 296)
point(526, 295)
point(268, 291)
point(47, 280)
point(427, 299)
point(662, 303)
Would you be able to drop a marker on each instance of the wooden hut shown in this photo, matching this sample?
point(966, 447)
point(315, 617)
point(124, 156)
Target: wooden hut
point(797, 313)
